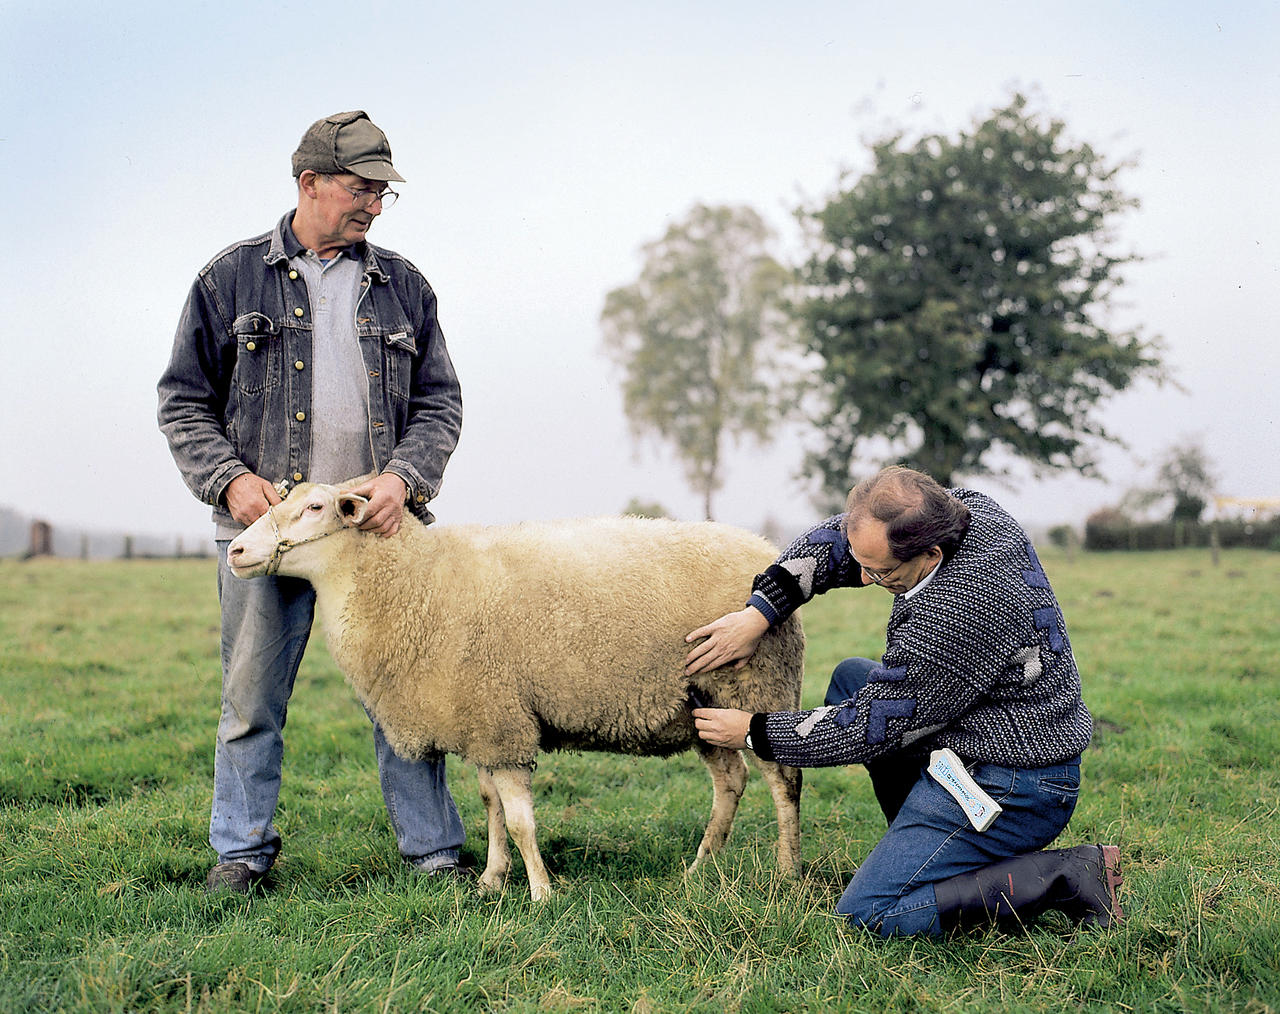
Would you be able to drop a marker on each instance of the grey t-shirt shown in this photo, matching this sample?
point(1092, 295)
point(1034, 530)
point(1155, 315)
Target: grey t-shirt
point(340, 444)
point(341, 447)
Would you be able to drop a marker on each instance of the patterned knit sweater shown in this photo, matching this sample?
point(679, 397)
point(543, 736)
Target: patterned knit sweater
point(978, 660)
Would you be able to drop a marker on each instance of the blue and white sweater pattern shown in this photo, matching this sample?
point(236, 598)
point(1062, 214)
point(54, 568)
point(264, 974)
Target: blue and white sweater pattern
point(978, 660)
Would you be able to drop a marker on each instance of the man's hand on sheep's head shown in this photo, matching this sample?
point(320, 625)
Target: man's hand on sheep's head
point(249, 496)
point(385, 494)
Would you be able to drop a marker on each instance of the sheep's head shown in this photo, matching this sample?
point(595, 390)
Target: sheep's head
point(309, 513)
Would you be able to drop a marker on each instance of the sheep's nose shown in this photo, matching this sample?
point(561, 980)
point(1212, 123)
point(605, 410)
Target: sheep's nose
point(234, 551)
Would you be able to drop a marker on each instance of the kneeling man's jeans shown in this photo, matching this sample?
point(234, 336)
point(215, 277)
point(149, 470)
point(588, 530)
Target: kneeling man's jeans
point(930, 839)
point(265, 625)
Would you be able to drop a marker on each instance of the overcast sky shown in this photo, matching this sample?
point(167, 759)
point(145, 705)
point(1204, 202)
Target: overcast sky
point(543, 144)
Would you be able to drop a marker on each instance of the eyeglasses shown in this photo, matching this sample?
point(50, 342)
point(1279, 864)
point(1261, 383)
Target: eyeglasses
point(364, 198)
point(880, 576)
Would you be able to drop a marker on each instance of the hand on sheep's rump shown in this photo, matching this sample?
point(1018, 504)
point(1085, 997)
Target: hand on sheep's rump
point(385, 494)
point(249, 496)
point(732, 638)
point(723, 726)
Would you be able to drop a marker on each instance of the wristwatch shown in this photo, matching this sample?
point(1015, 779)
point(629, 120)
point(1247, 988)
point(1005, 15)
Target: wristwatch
point(749, 746)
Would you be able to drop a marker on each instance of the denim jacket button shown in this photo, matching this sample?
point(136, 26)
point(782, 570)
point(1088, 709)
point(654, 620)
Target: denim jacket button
point(300, 416)
point(250, 345)
point(299, 365)
point(297, 311)
point(293, 275)
point(297, 476)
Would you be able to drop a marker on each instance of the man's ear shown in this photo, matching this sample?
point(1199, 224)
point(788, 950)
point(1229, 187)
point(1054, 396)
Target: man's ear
point(352, 508)
point(307, 182)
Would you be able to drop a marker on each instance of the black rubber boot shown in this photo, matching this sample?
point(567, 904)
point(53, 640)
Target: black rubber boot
point(1080, 882)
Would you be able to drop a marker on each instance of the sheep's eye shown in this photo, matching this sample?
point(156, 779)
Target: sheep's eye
point(314, 507)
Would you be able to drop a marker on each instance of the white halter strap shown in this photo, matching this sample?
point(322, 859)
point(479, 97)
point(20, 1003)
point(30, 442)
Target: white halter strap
point(284, 545)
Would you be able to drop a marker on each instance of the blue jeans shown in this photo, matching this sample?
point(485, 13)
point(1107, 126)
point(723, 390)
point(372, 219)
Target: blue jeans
point(265, 626)
point(930, 839)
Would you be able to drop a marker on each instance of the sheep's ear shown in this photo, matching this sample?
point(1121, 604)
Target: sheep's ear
point(351, 508)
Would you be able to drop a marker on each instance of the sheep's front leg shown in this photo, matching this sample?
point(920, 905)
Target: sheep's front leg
point(499, 858)
point(728, 780)
point(784, 783)
point(514, 789)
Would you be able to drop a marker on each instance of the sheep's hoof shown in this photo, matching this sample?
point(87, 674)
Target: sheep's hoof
point(699, 861)
point(492, 883)
point(791, 869)
point(540, 892)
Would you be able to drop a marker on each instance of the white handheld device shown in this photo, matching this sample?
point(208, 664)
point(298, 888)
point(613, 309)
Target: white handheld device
point(950, 773)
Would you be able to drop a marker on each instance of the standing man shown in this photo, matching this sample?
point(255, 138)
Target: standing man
point(308, 353)
point(978, 667)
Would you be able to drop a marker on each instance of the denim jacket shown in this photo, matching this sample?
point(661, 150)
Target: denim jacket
point(236, 396)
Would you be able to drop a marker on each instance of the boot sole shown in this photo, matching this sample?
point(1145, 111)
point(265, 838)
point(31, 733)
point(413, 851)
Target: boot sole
point(1112, 876)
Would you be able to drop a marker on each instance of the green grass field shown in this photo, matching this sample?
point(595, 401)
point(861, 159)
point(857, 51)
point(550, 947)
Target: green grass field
point(108, 704)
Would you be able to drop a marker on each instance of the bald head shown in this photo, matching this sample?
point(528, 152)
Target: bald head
point(917, 513)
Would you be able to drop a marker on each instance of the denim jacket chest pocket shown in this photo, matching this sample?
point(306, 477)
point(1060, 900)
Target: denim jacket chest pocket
point(258, 353)
point(399, 350)
point(390, 353)
point(257, 389)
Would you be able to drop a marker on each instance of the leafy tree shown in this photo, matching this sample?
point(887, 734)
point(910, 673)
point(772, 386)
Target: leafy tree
point(955, 295)
point(1188, 479)
point(1184, 482)
point(702, 339)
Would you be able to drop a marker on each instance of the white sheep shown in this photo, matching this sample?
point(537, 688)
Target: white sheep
point(492, 643)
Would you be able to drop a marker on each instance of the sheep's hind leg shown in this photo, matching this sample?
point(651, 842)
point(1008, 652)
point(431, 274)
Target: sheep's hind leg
point(498, 863)
point(784, 783)
point(728, 780)
point(516, 795)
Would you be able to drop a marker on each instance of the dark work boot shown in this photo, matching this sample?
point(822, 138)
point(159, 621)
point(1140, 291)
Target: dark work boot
point(1081, 882)
point(236, 877)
